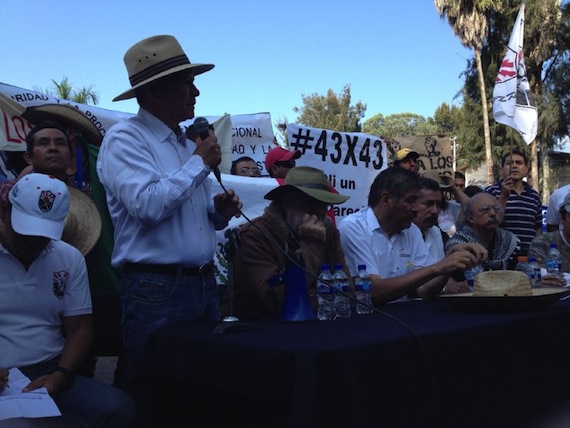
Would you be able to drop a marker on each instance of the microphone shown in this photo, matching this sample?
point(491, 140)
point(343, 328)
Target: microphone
point(201, 126)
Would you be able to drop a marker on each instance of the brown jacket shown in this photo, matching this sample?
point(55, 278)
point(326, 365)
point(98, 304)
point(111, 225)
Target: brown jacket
point(258, 259)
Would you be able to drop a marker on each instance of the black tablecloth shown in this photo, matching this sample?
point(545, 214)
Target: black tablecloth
point(422, 363)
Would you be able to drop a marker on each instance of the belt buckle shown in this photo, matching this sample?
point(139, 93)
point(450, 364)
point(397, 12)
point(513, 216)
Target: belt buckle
point(202, 269)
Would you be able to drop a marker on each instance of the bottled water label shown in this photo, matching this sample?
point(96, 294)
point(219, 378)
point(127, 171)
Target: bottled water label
point(323, 288)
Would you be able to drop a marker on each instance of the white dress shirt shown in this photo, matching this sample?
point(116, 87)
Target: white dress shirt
point(364, 242)
point(158, 194)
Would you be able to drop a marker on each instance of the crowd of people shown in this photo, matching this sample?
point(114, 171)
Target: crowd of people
point(415, 240)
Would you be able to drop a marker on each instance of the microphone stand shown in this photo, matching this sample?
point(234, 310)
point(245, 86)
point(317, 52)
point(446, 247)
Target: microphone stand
point(231, 322)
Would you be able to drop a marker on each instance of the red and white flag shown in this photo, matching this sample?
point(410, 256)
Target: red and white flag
point(513, 102)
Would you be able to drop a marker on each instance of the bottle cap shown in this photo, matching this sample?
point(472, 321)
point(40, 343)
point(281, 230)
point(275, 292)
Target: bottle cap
point(361, 267)
point(522, 258)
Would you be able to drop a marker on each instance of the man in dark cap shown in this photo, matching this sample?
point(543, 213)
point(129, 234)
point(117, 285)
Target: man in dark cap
point(408, 159)
point(279, 161)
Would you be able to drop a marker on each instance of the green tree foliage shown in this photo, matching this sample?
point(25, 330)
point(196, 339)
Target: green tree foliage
point(399, 125)
point(557, 76)
point(468, 20)
point(546, 47)
point(331, 111)
point(447, 118)
point(66, 91)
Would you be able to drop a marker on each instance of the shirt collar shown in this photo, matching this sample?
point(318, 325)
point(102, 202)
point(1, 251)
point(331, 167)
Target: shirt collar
point(158, 127)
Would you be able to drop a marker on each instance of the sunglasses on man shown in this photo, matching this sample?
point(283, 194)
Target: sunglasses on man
point(286, 164)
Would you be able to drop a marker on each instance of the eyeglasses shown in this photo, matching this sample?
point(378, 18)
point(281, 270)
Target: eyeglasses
point(487, 208)
point(286, 164)
point(248, 170)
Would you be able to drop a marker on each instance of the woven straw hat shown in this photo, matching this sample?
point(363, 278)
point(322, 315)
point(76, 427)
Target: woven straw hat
point(67, 115)
point(153, 58)
point(507, 283)
point(83, 222)
point(501, 283)
point(311, 181)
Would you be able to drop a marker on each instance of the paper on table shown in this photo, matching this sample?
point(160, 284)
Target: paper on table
point(17, 404)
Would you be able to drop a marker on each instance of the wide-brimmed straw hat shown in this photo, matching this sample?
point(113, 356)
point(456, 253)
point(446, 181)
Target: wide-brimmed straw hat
point(153, 58)
point(311, 181)
point(83, 222)
point(68, 116)
point(505, 290)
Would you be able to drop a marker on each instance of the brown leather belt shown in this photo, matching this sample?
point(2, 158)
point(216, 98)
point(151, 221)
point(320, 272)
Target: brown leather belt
point(172, 270)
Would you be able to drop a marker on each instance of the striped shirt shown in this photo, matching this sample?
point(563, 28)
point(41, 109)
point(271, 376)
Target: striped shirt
point(523, 213)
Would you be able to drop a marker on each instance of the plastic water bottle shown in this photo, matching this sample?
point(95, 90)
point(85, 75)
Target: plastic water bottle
point(554, 261)
point(341, 302)
point(470, 274)
point(326, 295)
point(522, 266)
point(363, 291)
point(536, 274)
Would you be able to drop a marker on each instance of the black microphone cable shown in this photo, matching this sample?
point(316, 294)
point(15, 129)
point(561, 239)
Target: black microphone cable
point(292, 260)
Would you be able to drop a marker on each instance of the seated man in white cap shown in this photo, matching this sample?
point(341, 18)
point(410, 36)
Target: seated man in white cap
point(295, 222)
point(45, 306)
point(553, 211)
point(540, 246)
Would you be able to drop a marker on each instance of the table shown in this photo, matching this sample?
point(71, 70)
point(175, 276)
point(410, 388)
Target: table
point(422, 363)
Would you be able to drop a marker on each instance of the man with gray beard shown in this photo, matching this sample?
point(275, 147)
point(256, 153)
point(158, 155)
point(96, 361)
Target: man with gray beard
point(482, 217)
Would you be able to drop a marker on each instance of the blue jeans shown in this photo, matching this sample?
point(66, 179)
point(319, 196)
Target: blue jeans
point(97, 404)
point(150, 301)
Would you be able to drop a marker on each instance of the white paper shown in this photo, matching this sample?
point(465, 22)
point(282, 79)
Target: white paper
point(17, 404)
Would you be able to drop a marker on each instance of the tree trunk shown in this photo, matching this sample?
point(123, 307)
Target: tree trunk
point(534, 165)
point(485, 107)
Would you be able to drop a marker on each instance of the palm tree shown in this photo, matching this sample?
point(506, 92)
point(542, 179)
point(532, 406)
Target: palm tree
point(469, 22)
point(66, 91)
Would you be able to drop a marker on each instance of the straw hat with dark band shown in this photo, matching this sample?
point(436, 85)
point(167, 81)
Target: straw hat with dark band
point(67, 115)
point(153, 58)
point(83, 222)
point(311, 181)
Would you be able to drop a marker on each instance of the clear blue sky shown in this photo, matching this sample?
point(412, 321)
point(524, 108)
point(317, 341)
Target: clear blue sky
point(397, 55)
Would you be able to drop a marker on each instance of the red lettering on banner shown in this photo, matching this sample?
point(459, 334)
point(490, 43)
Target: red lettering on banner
point(7, 126)
point(21, 129)
point(16, 124)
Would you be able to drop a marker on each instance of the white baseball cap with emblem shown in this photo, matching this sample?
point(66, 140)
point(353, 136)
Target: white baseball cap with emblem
point(40, 204)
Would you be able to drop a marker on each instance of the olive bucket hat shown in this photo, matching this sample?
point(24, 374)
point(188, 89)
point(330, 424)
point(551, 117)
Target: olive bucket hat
point(311, 181)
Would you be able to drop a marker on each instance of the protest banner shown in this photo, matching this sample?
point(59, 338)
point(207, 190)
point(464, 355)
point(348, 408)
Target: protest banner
point(239, 135)
point(351, 161)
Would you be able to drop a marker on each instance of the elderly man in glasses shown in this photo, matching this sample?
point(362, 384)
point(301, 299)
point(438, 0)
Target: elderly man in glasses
point(482, 218)
point(245, 167)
